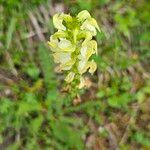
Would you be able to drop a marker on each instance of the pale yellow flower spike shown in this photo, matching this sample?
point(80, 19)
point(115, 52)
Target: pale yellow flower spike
point(72, 45)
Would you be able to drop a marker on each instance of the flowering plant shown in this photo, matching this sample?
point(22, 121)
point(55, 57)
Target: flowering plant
point(72, 45)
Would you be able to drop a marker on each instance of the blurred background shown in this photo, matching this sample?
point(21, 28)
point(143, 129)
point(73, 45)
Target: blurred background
point(114, 113)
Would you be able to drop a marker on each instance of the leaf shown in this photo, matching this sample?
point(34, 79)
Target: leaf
point(100, 94)
point(67, 135)
point(33, 71)
point(119, 101)
point(5, 105)
point(36, 124)
point(47, 68)
point(28, 104)
point(140, 138)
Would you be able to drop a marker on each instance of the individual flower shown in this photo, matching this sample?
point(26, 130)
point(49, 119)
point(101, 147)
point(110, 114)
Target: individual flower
point(72, 45)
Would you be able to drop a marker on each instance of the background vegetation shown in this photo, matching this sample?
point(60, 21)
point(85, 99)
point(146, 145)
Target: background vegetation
point(35, 113)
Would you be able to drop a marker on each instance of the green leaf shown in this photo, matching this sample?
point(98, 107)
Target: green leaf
point(119, 101)
point(100, 94)
point(67, 135)
point(140, 138)
point(29, 104)
point(36, 124)
point(47, 66)
point(5, 105)
point(33, 71)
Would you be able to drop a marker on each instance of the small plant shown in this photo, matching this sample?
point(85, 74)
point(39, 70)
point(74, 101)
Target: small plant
point(72, 46)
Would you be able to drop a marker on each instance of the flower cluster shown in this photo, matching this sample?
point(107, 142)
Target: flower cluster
point(72, 45)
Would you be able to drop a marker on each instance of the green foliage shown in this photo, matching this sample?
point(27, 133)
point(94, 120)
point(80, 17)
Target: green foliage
point(70, 137)
point(118, 93)
point(32, 71)
point(126, 20)
point(47, 67)
point(140, 138)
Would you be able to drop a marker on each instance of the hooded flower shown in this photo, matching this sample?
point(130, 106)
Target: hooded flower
point(72, 45)
point(90, 25)
point(57, 20)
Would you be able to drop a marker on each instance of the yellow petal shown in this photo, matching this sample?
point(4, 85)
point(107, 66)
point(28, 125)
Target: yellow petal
point(66, 46)
point(89, 53)
point(87, 50)
point(69, 78)
point(57, 21)
point(60, 34)
point(87, 26)
point(83, 15)
point(53, 44)
point(62, 57)
point(92, 65)
point(94, 23)
point(82, 66)
point(90, 25)
point(68, 65)
point(92, 45)
point(86, 35)
point(83, 51)
point(64, 43)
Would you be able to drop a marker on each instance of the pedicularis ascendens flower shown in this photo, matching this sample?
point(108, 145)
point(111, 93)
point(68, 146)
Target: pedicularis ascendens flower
point(72, 45)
